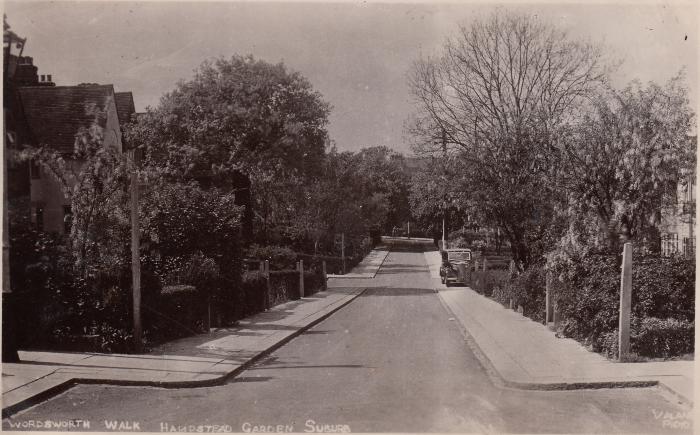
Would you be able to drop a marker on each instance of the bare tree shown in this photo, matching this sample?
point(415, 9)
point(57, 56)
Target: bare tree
point(499, 92)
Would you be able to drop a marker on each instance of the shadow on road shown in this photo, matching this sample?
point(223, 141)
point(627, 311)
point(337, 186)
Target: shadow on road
point(385, 291)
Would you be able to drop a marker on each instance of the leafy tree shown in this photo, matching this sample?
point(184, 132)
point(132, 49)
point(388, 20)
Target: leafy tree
point(95, 179)
point(235, 115)
point(499, 93)
point(625, 158)
point(436, 194)
point(242, 124)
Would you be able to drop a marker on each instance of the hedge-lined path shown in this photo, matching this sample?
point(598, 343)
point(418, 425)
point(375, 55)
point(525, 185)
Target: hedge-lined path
point(204, 359)
point(392, 360)
point(525, 354)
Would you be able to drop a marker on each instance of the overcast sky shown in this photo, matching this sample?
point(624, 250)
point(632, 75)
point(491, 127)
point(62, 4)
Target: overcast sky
point(356, 54)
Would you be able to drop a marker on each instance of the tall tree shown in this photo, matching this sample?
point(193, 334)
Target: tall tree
point(239, 123)
point(237, 114)
point(626, 157)
point(499, 93)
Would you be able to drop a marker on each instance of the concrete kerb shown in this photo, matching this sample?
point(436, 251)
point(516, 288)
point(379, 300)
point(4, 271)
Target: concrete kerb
point(215, 381)
point(501, 381)
point(348, 275)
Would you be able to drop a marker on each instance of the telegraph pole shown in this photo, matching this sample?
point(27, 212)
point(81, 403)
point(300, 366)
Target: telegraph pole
point(444, 173)
point(135, 255)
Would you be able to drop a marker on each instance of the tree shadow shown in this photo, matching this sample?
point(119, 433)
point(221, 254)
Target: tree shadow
point(399, 291)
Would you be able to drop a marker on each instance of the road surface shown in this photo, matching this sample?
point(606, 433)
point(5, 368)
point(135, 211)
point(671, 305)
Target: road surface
point(391, 361)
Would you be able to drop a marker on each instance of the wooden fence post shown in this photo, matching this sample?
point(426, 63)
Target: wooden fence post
point(485, 263)
point(342, 250)
point(549, 308)
point(325, 276)
point(301, 278)
point(625, 302)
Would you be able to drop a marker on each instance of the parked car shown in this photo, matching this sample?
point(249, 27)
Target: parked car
point(451, 259)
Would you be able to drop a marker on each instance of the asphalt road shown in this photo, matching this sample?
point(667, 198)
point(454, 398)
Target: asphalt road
point(390, 361)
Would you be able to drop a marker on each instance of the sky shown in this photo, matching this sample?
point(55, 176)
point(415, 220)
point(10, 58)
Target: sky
point(356, 54)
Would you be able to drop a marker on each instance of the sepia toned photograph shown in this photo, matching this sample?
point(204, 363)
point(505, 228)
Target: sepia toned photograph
point(349, 216)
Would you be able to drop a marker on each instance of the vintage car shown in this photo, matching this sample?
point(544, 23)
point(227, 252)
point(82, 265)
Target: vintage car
point(451, 259)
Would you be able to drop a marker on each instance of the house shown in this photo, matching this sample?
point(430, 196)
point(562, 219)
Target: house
point(49, 115)
point(678, 223)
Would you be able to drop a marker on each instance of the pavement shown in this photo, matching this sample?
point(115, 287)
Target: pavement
point(369, 266)
point(200, 360)
point(515, 351)
point(521, 353)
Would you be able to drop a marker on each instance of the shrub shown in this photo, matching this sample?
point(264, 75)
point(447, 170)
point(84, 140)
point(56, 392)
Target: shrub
point(652, 337)
point(588, 294)
point(200, 272)
point(254, 287)
point(589, 299)
point(663, 287)
point(663, 337)
point(181, 311)
point(528, 290)
point(486, 282)
point(284, 286)
point(280, 257)
point(313, 282)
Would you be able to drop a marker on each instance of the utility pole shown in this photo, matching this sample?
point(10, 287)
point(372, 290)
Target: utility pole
point(342, 250)
point(135, 255)
point(625, 303)
point(444, 173)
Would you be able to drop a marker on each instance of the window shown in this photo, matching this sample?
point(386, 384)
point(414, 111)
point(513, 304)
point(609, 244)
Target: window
point(39, 217)
point(689, 246)
point(67, 219)
point(34, 171)
point(669, 244)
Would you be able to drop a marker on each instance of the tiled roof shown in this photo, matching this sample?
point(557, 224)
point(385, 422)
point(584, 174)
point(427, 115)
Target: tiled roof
point(54, 114)
point(125, 106)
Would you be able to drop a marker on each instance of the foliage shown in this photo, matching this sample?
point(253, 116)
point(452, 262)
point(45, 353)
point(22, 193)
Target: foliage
point(201, 272)
point(181, 311)
point(487, 282)
point(193, 236)
point(284, 286)
point(497, 96)
point(237, 114)
point(664, 337)
point(434, 195)
point(175, 223)
point(241, 118)
point(95, 180)
point(254, 288)
point(652, 338)
point(528, 291)
point(587, 293)
point(626, 156)
point(280, 257)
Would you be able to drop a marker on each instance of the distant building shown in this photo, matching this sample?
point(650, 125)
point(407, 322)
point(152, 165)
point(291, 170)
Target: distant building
point(678, 223)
